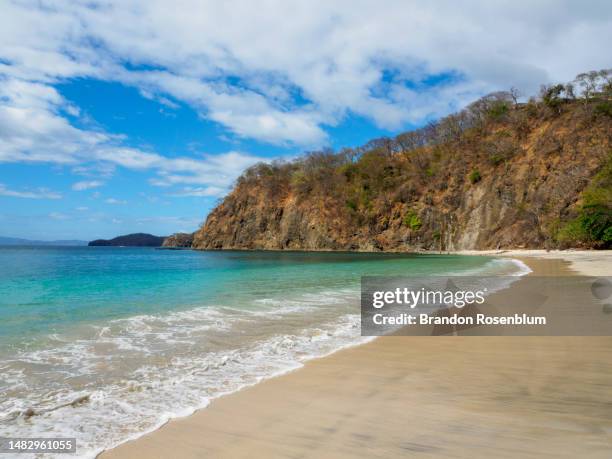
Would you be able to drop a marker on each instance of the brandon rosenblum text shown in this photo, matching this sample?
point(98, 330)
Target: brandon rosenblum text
point(454, 319)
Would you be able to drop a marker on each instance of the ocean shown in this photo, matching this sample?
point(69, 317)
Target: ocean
point(107, 343)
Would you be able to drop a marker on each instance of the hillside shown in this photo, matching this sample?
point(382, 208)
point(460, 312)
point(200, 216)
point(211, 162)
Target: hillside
point(499, 174)
point(130, 240)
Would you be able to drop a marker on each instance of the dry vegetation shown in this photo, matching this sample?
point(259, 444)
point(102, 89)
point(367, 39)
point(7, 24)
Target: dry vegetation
point(497, 174)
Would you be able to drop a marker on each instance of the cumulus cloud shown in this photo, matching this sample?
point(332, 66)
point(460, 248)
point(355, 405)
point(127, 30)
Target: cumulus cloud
point(282, 71)
point(213, 170)
point(39, 193)
point(32, 129)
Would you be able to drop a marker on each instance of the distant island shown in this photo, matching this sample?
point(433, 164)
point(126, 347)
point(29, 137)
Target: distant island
point(130, 240)
point(20, 241)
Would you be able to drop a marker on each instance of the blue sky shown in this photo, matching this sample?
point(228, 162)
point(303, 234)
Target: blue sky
point(90, 201)
point(125, 116)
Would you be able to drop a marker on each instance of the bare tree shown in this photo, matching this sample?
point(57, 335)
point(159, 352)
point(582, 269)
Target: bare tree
point(588, 81)
point(606, 76)
point(409, 140)
point(515, 94)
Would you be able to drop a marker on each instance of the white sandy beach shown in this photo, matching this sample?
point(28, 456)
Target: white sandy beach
point(584, 262)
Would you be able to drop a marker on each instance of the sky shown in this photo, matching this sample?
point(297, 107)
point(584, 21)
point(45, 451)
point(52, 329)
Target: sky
point(138, 115)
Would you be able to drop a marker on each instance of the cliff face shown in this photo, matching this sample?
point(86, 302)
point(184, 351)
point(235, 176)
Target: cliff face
point(516, 179)
point(178, 240)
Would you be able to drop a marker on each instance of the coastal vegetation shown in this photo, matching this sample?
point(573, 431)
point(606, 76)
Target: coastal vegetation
point(593, 222)
point(498, 174)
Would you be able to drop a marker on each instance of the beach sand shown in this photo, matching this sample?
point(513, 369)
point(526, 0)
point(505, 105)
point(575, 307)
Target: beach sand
point(402, 396)
point(584, 262)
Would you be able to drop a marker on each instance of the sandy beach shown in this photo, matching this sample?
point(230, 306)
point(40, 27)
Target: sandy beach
point(419, 397)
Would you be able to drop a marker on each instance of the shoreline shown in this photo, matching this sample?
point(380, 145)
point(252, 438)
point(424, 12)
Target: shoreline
point(193, 428)
point(583, 262)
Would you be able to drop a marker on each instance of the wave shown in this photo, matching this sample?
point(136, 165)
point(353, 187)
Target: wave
point(70, 384)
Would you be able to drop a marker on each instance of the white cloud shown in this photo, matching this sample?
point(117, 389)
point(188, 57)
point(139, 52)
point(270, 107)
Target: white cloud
point(115, 201)
point(209, 191)
point(32, 130)
point(217, 171)
point(240, 63)
point(104, 170)
point(87, 185)
point(39, 193)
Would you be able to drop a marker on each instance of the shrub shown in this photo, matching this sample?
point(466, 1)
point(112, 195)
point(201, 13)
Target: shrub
point(593, 225)
point(604, 108)
point(412, 220)
point(497, 158)
point(532, 109)
point(349, 171)
point(572, 232)
point(300, 183)
point(502, 148)
point(551, 96)
point(596, 221)
point(498, 109)
point(475, 176)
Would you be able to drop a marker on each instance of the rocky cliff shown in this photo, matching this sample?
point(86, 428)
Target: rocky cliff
point(496, 175)
point(178, 240)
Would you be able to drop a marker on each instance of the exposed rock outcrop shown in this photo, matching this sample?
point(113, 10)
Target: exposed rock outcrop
point(178, 240)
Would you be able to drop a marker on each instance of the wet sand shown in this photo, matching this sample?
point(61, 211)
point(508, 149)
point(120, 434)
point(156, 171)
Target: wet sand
point(415, 397)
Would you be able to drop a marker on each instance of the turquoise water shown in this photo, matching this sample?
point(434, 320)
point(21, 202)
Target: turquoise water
point(145, 335)
point(45, 290)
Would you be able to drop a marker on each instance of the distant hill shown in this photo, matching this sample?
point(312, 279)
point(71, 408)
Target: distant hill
point(19, 241)
point(130, 240)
